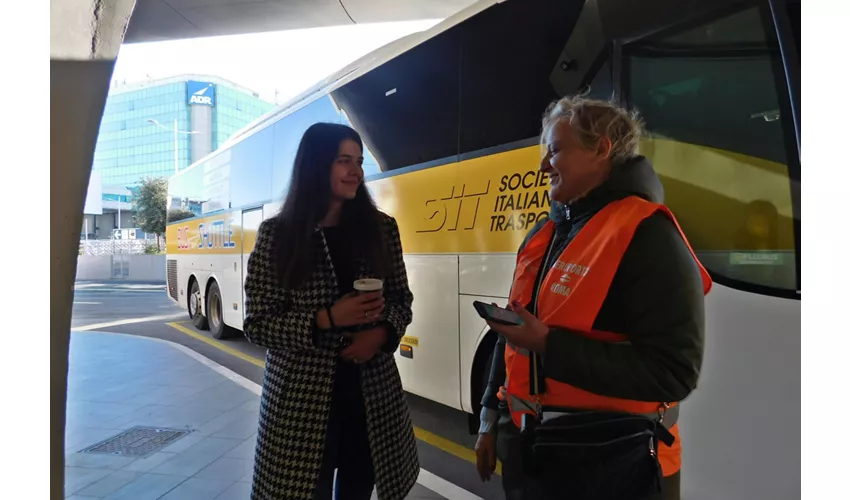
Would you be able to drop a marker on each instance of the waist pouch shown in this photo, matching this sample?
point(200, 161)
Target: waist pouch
point(599, 455)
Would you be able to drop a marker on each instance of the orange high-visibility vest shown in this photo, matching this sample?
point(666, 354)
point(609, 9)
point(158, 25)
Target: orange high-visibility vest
point(570, 297)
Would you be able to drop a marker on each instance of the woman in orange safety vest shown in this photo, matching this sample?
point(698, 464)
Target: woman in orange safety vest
point(610, 292)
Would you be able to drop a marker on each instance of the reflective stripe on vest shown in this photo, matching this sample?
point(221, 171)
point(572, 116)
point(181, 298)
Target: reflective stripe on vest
point(522, 351)
point(669, 419)
point(570, 294)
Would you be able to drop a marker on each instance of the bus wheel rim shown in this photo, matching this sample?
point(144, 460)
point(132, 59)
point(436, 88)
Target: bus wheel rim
point(215, 310)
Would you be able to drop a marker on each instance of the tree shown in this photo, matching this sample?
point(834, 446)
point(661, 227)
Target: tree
point(152, 206)
point(179, 214)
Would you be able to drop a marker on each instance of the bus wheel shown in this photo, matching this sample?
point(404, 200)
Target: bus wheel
point(198, 319)
point(215, 314)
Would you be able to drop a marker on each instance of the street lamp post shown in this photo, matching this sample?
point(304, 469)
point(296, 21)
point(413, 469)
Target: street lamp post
point(177, 133)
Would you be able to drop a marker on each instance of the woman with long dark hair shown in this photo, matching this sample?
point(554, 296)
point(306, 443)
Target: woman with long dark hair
point(332, 396)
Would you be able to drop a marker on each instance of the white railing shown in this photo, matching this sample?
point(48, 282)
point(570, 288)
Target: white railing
point(115, 247)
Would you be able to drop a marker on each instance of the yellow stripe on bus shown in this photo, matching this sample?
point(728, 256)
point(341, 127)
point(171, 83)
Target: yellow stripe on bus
point(488, 204)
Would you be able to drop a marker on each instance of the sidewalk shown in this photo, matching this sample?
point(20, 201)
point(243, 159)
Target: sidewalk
point(194, 423)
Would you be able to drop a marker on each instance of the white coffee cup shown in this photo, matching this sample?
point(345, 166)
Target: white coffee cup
point(368, 285)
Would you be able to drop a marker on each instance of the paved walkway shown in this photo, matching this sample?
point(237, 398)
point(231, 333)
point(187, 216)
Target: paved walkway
point(117, 383)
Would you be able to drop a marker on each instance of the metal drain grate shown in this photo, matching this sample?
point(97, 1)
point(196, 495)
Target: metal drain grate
point(137, 442)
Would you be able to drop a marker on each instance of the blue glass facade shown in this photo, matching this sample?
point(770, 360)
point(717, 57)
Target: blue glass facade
point(234, 111)
point(130, 147)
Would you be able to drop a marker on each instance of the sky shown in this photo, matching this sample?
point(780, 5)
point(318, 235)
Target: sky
point(281, 64)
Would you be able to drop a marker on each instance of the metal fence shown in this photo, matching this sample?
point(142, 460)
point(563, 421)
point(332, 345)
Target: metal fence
point(115, 247)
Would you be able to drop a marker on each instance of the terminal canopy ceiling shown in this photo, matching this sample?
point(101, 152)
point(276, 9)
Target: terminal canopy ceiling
point(158, 20)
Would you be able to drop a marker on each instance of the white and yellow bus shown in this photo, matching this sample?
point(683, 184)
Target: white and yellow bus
point(451, 120)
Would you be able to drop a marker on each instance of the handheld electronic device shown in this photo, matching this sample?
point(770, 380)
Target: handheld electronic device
point(497, 314)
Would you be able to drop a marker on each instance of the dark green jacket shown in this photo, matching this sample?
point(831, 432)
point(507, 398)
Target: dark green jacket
point(656, 299)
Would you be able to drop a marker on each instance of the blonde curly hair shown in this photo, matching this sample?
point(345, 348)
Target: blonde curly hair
point(592, 119)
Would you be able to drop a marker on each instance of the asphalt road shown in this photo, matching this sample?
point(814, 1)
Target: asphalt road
point(445, 446)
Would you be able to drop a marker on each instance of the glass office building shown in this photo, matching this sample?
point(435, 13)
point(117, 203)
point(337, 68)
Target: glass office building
point(137, 136)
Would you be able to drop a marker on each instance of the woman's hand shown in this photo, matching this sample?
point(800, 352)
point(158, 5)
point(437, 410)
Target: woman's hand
point(353, 310)
point(531, 335)
point(365, 345)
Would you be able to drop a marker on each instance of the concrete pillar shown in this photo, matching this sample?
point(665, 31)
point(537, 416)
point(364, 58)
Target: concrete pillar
point(85, 36)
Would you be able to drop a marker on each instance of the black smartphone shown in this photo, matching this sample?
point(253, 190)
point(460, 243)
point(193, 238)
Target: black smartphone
point(497, 314)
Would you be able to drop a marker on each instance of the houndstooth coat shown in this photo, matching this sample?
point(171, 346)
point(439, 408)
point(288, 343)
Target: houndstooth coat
point(299, 375)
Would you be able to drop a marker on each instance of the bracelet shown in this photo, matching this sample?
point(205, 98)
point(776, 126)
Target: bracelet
point(331, 318)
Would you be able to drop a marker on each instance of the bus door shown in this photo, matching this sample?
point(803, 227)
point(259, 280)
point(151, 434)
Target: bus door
point(251, 220)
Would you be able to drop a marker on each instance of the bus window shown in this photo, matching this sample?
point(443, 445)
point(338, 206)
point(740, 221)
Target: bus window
point(406, 99)
point(287, 137)
point(602, 85)
point(794, 20)
point(509, 52)
point(251, 167)
point(715, 110)
point(186, 191)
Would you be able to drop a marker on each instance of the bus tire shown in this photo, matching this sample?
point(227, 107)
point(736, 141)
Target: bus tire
point(194, 306)
point(215, 314)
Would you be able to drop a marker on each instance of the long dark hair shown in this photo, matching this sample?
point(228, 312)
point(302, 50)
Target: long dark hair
point(307, 201)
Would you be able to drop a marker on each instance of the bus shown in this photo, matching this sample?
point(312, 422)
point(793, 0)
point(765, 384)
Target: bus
point(450, 118)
